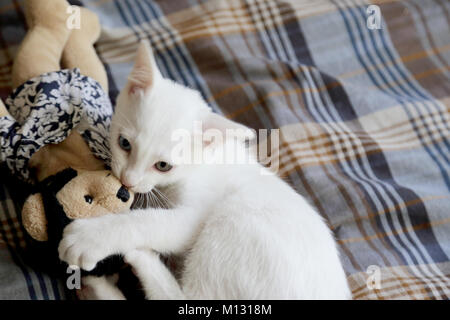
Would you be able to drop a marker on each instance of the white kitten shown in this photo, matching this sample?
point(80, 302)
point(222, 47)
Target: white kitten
point(246, 235)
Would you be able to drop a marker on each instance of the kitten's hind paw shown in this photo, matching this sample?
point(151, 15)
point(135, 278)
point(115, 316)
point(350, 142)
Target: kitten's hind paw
point(140, 257)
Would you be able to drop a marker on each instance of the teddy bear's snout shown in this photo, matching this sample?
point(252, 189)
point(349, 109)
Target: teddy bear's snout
point(123, 194)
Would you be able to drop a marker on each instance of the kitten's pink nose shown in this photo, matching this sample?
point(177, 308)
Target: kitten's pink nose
point(128, 180)
point(127, 184)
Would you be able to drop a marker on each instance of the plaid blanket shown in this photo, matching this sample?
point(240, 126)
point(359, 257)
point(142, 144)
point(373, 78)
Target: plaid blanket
point(362, 105)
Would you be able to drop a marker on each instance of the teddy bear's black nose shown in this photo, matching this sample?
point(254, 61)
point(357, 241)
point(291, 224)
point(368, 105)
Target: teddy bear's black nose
point(123, 194)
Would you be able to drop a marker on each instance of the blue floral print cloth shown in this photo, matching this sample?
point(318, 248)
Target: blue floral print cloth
point(45, 109)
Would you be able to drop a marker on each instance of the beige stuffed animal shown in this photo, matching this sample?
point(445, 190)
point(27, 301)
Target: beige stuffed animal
point(3, 111)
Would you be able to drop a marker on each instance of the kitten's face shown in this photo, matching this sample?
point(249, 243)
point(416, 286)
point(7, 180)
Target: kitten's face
point(141, 133)
point(149, 110)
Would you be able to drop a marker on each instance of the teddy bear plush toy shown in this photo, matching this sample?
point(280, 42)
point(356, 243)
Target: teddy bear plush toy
point(58, 200)
point(53, 132)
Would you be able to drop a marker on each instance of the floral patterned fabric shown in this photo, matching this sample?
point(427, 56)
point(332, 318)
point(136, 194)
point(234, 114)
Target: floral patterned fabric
point(45, 109)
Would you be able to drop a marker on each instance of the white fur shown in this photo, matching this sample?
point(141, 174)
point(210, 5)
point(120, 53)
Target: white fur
point(246, 235)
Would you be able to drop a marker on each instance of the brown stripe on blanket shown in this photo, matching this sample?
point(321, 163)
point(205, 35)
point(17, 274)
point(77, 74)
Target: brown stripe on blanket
point(326, 154)
point(215, 70)
point(426, 24)
point(382, 136)
point(403, 230)
point(169, 7)
point(399, 22)
point(217, 76)
point(361, 290)
point(398, 281)
point(318, 205)
point(315, 198)
point(372, 215)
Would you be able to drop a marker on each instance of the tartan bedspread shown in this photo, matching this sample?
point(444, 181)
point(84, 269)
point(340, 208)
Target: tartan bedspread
point(363, 115)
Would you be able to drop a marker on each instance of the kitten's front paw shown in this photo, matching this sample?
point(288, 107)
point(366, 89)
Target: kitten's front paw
point(85, 243)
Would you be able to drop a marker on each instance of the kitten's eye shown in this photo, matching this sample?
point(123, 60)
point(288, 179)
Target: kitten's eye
point(163, 166)
point(124, 143)
point(88, 199)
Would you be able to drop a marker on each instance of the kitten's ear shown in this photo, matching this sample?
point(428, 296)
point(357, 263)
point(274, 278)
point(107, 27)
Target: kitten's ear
point(218, 122)
point(145, 71)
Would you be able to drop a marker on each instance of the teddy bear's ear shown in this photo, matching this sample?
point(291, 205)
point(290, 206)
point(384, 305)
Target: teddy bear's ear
point(33, 217)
